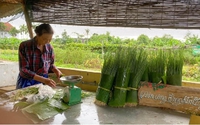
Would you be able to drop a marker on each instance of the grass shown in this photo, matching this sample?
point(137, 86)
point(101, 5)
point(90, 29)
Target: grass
point(9, 55)
point(75, 66)
point(92, 62)
point(191, 73)
point(78, 58)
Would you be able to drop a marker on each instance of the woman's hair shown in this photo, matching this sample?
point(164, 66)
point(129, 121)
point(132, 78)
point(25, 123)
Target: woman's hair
point(43, 28)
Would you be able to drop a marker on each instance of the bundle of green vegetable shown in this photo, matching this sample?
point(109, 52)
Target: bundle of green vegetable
point(137, 69)
point(157, 64)
point(118, 96)
point(108, 73)
point(22, 93)
point(174, 67)
point(145, 76)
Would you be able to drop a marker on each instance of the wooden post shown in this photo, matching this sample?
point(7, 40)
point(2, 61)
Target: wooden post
point(28, 21)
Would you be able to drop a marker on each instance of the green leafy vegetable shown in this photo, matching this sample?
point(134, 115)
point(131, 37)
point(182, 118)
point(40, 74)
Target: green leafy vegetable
point(85, 94)
point(59, 94)
point(58, 104)
point(21, 93)
point(20, 105)
point(43, 110)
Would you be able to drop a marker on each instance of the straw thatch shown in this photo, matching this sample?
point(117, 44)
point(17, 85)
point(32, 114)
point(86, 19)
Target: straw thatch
point(10, 7)
point(183, 14)
point(11, 1)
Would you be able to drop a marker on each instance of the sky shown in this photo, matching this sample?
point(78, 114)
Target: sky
point(114, 31)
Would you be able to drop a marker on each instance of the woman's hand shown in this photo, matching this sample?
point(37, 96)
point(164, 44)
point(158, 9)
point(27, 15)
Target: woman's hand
point(58, 73)
point(50, 82)
point(44, 80)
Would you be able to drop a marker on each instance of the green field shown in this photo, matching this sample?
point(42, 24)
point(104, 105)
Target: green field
point(88, 53)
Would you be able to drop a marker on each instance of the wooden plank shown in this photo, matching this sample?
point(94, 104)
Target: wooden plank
point(194, 119)
point(2, 92)
point(8, 88)
point(179, 98)
point(191, 84)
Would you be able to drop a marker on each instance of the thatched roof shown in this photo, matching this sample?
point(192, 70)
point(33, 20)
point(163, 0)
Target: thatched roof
point(10, 7)
point(183, 14)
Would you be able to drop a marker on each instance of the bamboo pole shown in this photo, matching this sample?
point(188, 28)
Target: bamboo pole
point(28, 21)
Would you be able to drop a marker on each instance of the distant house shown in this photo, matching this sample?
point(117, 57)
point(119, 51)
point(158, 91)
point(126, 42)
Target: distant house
point(5, 33)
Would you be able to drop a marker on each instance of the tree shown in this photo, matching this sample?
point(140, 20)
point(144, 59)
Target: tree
point(64, 37)
point(34, 26)
point(192, 39)
point(64, 34)
point(23, 30)
point(143, 39)
point(87, 33)
point(14, 32)
point(2, 26)
point(79, 37)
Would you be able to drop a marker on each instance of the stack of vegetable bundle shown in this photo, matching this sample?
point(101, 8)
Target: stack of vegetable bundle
point(145, 76)
point(157, 64)
point(118, 96)
point(123, 71)
point(174, 67)
point(137, 68)
point(108, 73)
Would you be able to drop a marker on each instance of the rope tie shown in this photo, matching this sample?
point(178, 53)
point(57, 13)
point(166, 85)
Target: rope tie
point(132, 88)
point(121, 88)
point(104, 88)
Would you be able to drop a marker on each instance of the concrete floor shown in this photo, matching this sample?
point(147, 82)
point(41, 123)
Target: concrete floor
point(89, 113)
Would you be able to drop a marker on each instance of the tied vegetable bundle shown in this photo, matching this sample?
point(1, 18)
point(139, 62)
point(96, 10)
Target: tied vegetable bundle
point(174, 67)
point(107, 78)
point(137, 69)
point(157, 65)
point(119, 91)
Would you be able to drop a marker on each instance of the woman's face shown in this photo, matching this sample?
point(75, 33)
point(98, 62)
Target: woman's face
point(44, 38)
